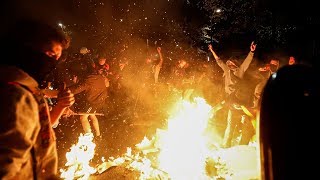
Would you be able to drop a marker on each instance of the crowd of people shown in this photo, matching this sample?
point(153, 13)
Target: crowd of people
point(39, 84)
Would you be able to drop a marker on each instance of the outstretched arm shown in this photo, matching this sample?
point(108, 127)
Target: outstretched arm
point(160, 55)
point(216, 57)
point(158, 66)
point(245, 65)
point(218, 60)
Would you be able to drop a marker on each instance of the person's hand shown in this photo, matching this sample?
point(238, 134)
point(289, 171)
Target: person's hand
point(291, 60)
point(159, 49)
point(253, 46)
point(75, 79)
point(263, 69)
point(65, 99)
point(67, 113)
point(210, 47)
point(266, 68)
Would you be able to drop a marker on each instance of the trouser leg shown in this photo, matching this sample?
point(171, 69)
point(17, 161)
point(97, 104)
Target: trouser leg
point(228, 133)
point(85, 123)
point(95, 123)
point(247, 131)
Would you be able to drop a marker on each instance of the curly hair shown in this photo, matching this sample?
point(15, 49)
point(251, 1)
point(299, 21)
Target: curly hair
point(37, 34)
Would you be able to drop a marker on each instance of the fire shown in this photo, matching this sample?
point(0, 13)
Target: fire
point(183, 151)
point(183, 146)
point(78, 159)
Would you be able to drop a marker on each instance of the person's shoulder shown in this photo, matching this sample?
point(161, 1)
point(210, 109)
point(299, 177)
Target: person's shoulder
point(14, 97)
point(14, 90)
point(18, 107)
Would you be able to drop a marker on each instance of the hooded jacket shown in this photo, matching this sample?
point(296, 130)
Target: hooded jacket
point(27, 140)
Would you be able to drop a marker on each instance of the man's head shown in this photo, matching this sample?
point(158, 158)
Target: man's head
point(84, 50)
point(36, 46)
point(102, 59)
point(274, 65)
point(40, 37)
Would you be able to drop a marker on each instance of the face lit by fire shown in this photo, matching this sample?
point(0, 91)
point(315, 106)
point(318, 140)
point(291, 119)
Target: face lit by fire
point(54, 50)
point(102, 61)
point(292, 60)
point(274, 65)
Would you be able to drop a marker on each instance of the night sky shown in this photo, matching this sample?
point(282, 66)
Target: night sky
point(95, 23)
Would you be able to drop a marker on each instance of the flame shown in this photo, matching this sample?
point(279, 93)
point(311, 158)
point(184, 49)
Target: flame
point(78, 159)
point(183, 151)
point(183, 146)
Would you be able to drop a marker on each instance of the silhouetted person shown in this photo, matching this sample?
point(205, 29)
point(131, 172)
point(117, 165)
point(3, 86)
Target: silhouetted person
point(288, 130)
point(233, 75)
point(27, 139)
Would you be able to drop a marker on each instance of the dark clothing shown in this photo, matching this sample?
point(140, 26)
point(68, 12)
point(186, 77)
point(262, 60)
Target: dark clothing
point(81, 66)
point(94, 92)
point(37, 64)
point(61, 74)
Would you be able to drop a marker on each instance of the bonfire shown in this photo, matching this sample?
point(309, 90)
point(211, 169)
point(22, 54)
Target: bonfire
point(185, 150)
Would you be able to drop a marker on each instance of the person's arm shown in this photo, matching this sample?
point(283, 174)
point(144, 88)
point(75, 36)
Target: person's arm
point(65, 100)
point(158, 66)
point(50, 93)
point(20, 126)
point(217, 58)
point(245, 65)
point(78, 88)
point(160, 56)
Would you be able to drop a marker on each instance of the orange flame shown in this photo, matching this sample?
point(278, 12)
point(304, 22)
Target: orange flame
point(78, 159)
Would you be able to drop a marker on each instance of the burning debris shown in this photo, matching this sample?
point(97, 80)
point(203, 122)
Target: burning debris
point(182, 151)
point(78, 159)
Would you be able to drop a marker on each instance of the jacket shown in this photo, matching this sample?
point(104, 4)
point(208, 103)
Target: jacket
point(27, 140)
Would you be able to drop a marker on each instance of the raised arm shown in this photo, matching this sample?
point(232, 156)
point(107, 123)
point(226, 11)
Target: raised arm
point(245, 65)
point(158, 66)
point(216, 57)
point(160, 56)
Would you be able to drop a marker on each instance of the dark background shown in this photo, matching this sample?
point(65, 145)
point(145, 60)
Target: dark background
point(281, 28)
